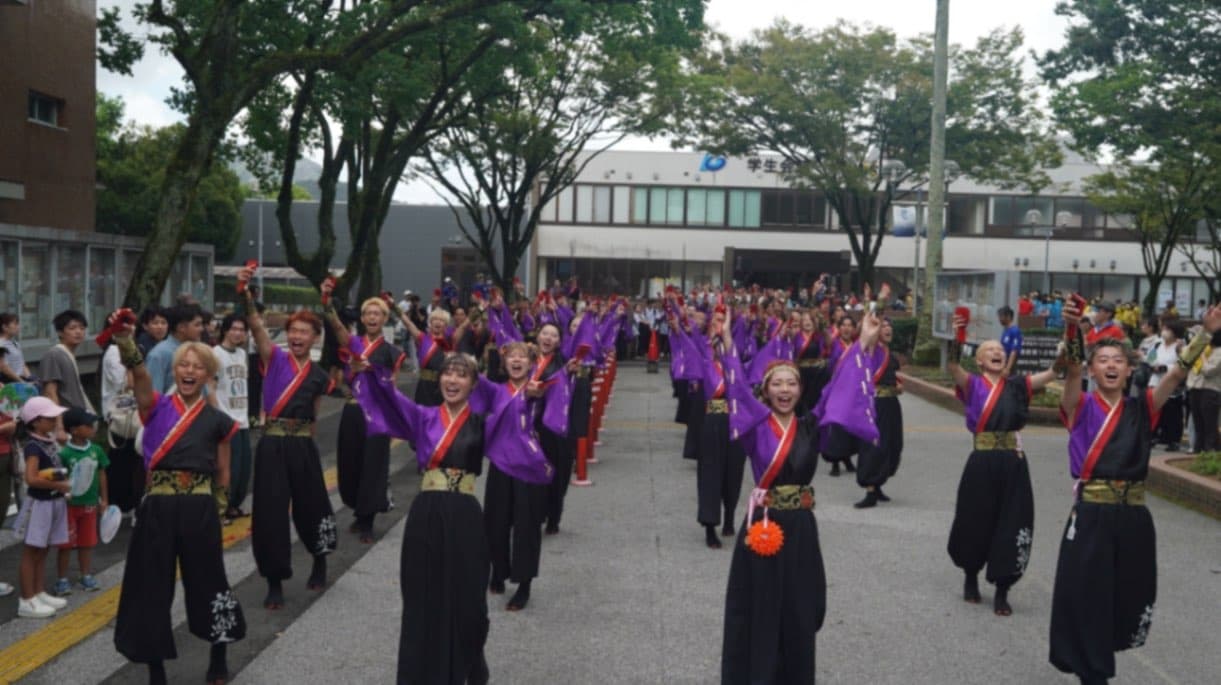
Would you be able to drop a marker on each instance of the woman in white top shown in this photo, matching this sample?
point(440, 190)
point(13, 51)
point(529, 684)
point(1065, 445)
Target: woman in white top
point(1163, 357)
point(125, 476)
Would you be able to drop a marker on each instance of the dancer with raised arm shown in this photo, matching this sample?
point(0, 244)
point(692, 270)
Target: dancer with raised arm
point(444, 568)
point(431, 346)
point(880, 461)
point(362, 460)
point(994, 513)
point(288, 482)
point(177, 524)
point(776, 596)
point(1106, 575)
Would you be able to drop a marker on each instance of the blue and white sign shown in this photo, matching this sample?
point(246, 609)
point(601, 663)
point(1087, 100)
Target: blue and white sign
point(712, 163)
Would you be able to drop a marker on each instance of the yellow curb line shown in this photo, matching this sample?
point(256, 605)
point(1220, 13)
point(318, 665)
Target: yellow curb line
point(41, 646)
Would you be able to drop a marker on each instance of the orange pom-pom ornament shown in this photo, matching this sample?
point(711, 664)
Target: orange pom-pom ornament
point(765, 537)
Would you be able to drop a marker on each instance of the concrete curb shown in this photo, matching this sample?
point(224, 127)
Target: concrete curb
point(1182, 486)
point(945, 398)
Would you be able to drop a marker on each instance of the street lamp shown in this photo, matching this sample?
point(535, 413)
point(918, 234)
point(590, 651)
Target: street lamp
point(1035, 219)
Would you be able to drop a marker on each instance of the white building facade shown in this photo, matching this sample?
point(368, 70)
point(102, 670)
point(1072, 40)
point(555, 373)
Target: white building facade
point(635, 219)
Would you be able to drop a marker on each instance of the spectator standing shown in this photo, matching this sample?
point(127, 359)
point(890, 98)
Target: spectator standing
point(1025, 306)
point(185, 325)
point(1204, 395)
point(1165, 356)
point(61, 379)
point(1104, 325)
point(153, 329)
point(12, 359)
point(233, 398)
point(125, 475)
point(83, 509)
point(1011, 340)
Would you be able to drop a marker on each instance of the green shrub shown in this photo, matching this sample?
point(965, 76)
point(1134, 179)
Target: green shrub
point(1207, 464)
point(928, 354)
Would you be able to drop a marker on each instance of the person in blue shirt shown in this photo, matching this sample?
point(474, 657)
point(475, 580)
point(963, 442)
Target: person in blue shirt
point(1055, 318)
point(186, 323)
point(1011, 339)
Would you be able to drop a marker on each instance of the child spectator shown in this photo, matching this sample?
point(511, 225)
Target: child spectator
point(82, 509)
point(7, 426)
point(43, 520)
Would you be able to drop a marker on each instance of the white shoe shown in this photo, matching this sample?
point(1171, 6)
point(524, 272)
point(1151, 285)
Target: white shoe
point(32, 608)
point(53, 602)
point(5, 589)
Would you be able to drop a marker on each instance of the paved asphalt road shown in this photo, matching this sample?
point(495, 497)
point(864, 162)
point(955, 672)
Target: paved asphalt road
point(628, 593)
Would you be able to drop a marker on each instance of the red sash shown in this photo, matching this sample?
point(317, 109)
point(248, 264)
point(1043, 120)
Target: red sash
point(287, 394)
point(781, 455)
point(1103, 437)
point(805, 346)
point(543, 363)
point(436, 343)
point(877, 375)
point(185, 419)
point(370, 347)
point(452, 426)
point(720, 384)
point(993, 396)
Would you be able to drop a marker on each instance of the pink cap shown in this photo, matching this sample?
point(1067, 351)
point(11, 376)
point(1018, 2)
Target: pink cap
point(40, 407)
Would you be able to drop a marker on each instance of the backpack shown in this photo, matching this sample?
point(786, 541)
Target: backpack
point(124, 418)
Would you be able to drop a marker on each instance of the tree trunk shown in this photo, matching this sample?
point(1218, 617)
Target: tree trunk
point(1149, 305)
point(182, 176)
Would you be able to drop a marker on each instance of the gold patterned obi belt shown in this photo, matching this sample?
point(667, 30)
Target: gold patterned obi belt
point(448, 480)
point(716, 407)
point(1001, 440)
point(1130, 492)
point(789, 497)
point(888, 391)
point(811, 363)
point(296, 428)
point(429, 375)
point(583, 371)
point(168, 482)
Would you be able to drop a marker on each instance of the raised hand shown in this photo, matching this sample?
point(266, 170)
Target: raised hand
point(1212, 319)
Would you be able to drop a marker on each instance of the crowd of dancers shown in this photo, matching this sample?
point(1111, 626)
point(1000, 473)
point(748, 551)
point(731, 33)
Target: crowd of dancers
point(754, 382)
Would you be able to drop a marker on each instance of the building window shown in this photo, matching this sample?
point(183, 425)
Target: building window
point(744, 208)
point(36, 291)
point(778, 208)
point(10, 289)
point(1022, 205)
point(201, 284)
point(640, 205)
point(101, 284)
point(70, 281)
point(564, 206)
point(622, 204)
point(810, 208)
point(705, 207)
point(602, 204)
point(585, 204)
point(45, 109)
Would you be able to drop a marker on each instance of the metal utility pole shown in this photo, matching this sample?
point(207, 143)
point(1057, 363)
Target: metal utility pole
point(936, 172)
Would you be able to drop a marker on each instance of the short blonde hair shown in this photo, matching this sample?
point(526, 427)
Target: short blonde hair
point(201, 352)
point(440, 314)
point(375, 302)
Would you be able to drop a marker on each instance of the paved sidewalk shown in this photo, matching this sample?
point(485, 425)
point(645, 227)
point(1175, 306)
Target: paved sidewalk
point(629, 594)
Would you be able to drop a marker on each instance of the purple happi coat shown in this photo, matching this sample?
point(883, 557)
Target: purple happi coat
point(507, 425)
point(847, 399)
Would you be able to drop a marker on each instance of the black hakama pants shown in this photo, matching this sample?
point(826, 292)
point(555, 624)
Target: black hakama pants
point(775, 605)
point(561, 452)
point(718, 475)
point(684, 400)
point(838, 445)
point(125, 477)
point(363, 464)
point(288, 478)
point(444, 580)
point(695, 423)
point(994, 516)
point(175, 532)
point(1106, 587)
point(582, 404)
point(513, 512)
point(879, 462)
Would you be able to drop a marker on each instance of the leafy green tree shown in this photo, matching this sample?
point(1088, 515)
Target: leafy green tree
point(131, 163)
point(230, 52)
point(575, 82)
point(1139, 81)
point(837, 104)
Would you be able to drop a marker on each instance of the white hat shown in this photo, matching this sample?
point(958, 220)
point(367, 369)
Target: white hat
point(40, 407)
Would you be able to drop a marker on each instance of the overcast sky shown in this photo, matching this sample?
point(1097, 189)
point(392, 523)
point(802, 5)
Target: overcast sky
point(145, 92)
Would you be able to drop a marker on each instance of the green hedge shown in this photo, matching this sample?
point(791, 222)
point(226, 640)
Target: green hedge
point(273, 293)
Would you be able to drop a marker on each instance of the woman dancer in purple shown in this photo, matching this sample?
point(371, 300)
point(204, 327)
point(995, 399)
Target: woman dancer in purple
point(879, 461)
point(994, 514)
point(1106, 575)
point(839, 446)
point(776, 596)
point(186, 454)
point(287, 464)
point(444, 569)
